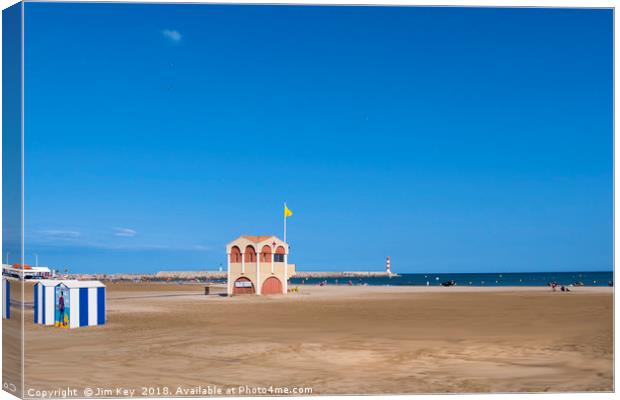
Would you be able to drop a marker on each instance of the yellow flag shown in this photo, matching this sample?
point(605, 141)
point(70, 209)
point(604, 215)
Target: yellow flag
point(287, 212)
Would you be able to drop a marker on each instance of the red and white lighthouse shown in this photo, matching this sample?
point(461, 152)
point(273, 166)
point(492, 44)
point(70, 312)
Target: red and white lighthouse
point(387, 266)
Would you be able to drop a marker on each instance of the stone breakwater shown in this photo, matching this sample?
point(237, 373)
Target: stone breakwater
point(208, 275)
point(159, 276)
point(350, 274)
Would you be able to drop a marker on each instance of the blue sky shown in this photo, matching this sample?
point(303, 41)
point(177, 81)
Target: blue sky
point(451, 139)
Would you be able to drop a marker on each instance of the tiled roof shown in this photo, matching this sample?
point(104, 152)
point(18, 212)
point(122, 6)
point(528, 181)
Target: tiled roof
point(256, 239)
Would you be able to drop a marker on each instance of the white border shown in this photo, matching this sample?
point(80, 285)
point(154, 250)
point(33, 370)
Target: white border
point(478, 3)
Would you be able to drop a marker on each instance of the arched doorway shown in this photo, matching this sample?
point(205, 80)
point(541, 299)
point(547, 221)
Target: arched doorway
point(272, 285)
point(243, 286)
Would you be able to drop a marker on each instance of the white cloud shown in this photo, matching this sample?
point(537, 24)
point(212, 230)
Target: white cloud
point(125, 232)
point(127, 247)
point(172, 34)
point(59, 234)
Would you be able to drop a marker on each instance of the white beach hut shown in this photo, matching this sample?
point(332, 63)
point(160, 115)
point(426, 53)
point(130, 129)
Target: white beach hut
point(6, 298)
point(84, 304)
point(44, 302)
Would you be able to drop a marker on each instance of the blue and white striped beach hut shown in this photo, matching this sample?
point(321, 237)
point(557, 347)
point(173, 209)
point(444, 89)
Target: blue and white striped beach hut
point(44, 304)
point(6, 298)
point(79, 303)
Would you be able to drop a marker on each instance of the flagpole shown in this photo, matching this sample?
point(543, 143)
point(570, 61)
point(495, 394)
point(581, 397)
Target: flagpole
point(284, 222)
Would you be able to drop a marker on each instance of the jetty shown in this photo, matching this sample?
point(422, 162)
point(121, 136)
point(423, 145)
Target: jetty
point(163, 276)
point(345, 274)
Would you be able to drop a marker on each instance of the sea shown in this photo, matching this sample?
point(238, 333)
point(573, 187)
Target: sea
point(600, 278)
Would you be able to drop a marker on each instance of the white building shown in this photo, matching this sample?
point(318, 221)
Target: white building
point(29, 272)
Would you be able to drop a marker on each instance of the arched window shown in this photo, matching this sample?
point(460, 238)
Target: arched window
point(235, 255)
point(250, 254)
point(279, 256)
point(265, 254)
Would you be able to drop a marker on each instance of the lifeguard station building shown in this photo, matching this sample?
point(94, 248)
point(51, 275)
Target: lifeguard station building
point(258, 265)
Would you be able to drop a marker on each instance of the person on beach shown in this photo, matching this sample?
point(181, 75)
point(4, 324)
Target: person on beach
point(61, 310)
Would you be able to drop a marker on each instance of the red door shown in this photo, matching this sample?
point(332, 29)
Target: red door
point(272, 286)
point(243, 286)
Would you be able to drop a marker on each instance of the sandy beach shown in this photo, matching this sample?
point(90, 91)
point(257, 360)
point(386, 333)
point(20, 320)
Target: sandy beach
point(334, 340)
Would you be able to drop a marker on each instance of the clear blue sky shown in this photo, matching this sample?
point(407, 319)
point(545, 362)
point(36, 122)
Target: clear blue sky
point(451, 139)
